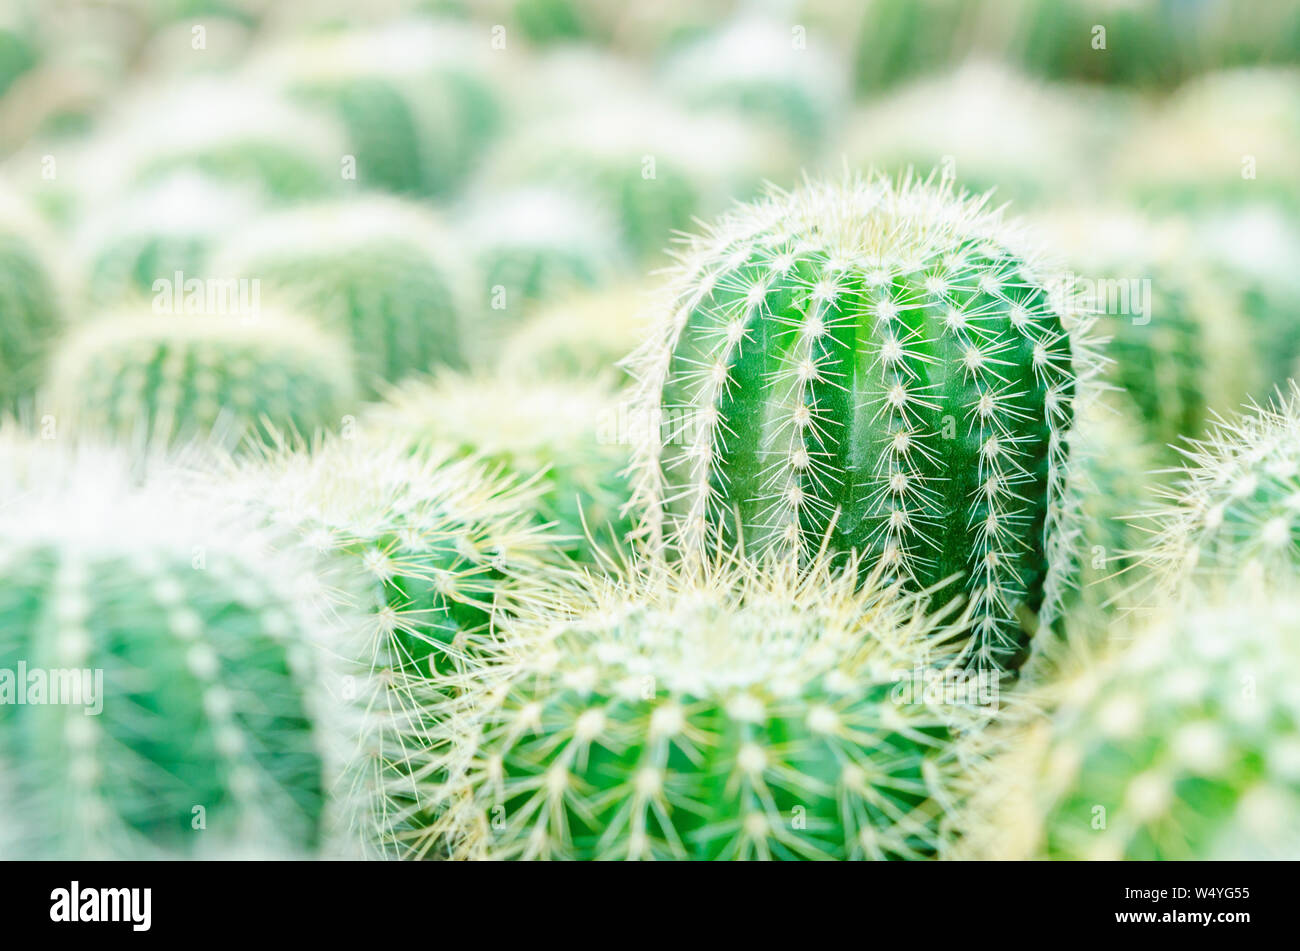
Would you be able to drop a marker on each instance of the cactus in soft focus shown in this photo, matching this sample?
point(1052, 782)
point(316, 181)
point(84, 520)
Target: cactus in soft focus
point(1236, 509)
point(162, 379)
point(741, 713)
point(378, 271)
point(18, 50)
point(159, 230)
point(653, 167)
point(869, 367)
point(558, 435)
point(31, 313)
point(758, 67)
point(577, 337)
point(414, 97)
point(441, 544)
point(1183, 745)
point(197, 727)
point(536, 244)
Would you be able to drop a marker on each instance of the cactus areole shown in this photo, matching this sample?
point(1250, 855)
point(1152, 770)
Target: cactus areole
point(870, 366)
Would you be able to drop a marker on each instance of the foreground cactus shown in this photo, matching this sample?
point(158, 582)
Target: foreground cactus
point(557, 435)
point(209, 734)
point(376, 270)
point(166, 378)
point(738, 714)
point(1236, 510)
point(1184, 745)
point(31, 313)
point(871, 367)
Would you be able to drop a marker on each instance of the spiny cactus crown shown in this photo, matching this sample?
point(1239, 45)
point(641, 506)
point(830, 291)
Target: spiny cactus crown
point(1237, 507)
point(1185, 744)
point(748, 712)
point(208, 732)
point(870, 364)
point(164, 378)
point(377, 269)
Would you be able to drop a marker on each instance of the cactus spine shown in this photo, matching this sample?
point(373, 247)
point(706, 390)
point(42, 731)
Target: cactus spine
point(207, 734)
point(733, 714)
point(873, 366)
point(162, 379)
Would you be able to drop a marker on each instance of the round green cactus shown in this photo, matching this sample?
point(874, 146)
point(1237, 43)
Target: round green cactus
point(417, 104)
point(537, 244)
point(441, 544)
point(158, 231)
point(165, 378)
point(31, 310)
point(1184, 745)
point(180, 664)
point(559, 435)
point(738, 714)
point(18, 49)
point(378, 270)
point(869, 367)
point(578, 337)
point(1236, 509)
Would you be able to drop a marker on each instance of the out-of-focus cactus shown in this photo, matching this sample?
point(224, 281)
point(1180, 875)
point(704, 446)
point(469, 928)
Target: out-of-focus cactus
point(18, 49)
point(873, 367)
point(768, 69)
point(162, 379)
point(31, 309)
point(378, 271)
point(1236, 509)
point(416, 98)
point(1184, 744)
point(740, 714)
point(182, 663)
point(578, 337)
point(561, 435)
point(537, 244)
point(653, 166)
point(158, 232)
point(1179, 346)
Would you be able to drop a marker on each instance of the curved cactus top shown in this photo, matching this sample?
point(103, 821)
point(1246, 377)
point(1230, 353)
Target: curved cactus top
point(580, 336)
point(31, 300)
point(875, 367)
point(765, 68)
point(1236, 509)
point(203, 728)
point(379, 270)
point(744, 713)
point(160, 378)
point(1183, 744)
point(561, 435)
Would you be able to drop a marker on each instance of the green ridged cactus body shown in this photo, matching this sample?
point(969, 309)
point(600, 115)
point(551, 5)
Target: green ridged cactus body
point(377, 270)
point(1236, 508)
point(872, 367)
point(559, 435)
point(201, 728)
point(746, 714)
point(415, 97)
point(1183, 743)
point(165, 378)
point(31, 306)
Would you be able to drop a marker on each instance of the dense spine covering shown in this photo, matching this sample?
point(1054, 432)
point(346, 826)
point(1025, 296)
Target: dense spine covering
point(1183, 744)
point(164, 379)
point(871, 366)
point(208, 733)
point(742, 713)
point(559, 436)
point(378, 270)
point(31, 309)
point(1236, 509)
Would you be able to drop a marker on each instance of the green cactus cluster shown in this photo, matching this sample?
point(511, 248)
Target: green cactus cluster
point(180, 710)
point(1184, 744)
point(378, 271)
point(31, 302)
point(159, 379)
point(735, 714)
point(869, 366)
point(561, 436)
